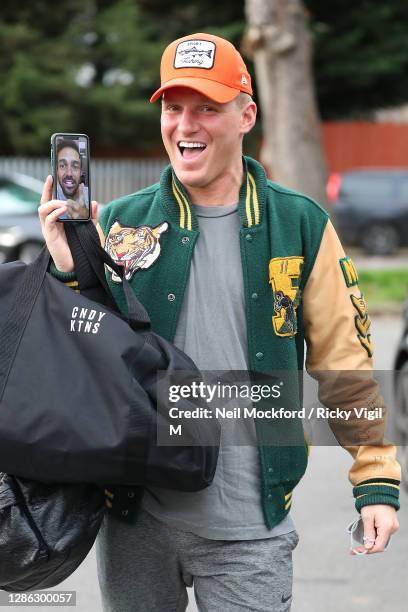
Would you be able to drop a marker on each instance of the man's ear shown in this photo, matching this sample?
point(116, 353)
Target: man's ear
point(248, 117)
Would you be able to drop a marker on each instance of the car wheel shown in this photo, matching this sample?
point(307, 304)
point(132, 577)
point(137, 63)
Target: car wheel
point(401, 421)
point(29, 251)
point(380, 239)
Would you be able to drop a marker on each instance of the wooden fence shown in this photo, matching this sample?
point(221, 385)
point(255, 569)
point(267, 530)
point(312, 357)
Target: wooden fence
point(357, 144)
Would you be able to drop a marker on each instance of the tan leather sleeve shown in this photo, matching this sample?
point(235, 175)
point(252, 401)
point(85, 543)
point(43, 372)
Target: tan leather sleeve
point(329, 315)
point(339, 355)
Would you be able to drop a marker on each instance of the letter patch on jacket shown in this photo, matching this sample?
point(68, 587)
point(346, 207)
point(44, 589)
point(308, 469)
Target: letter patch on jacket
point(349, 271)
point(284, 276)
point(134, 248)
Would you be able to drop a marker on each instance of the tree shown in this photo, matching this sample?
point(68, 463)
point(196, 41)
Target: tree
point(279, 40)
point(37, 94)
point(361, 55)
point(91, 65)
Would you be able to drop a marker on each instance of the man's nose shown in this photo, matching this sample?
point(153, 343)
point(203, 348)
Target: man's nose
point(188, 122)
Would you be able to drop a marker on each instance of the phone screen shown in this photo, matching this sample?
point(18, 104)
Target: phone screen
point(70, 155)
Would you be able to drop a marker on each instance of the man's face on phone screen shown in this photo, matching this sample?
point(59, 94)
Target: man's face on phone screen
point(69, 171)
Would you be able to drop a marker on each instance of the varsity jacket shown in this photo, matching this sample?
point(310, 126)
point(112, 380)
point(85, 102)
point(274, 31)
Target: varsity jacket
point(300, 287)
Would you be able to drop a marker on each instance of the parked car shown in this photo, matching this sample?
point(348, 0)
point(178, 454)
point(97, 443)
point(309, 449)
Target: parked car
point(400, 412)
point(20, 230)
point(371, 208)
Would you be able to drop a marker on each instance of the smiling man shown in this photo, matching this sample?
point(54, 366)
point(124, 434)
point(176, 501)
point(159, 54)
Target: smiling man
point(69, 187)
point(238, 272)
point(203, 141)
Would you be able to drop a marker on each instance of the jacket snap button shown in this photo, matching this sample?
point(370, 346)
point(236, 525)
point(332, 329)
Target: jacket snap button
point(125, 512)
point(254, 296)
point(248, 237)
point(270, 470)
point(131, 494)
point(171, 297)
point(259, 356)
point(185, 240)
point(269, 495)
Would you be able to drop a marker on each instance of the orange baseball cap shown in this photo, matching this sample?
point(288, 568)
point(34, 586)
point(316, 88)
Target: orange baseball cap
point(208, 64)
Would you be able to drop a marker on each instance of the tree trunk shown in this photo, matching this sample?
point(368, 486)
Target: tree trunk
point(279, 42)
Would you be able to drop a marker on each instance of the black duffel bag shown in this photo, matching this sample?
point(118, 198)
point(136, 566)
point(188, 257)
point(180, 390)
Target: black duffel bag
point(78, 388)
point(46, 531)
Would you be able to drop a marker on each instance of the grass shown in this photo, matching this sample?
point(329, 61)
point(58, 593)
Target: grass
point(383, 286)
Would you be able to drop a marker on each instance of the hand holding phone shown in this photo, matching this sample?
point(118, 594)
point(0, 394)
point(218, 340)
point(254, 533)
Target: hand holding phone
point(70, 171)
point(54, 232)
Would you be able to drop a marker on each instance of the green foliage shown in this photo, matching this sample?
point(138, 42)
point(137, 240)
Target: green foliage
point(37, 93)
point(361, 55)
point(384, 286)
point(91, 65)
point(84, 66)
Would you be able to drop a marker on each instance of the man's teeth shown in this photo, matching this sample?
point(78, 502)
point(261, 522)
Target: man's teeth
point(192, 145)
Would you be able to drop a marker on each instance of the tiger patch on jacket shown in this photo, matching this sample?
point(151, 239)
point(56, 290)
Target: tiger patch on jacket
point(134, 248)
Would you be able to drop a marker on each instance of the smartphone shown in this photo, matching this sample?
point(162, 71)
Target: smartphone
point(70, 173)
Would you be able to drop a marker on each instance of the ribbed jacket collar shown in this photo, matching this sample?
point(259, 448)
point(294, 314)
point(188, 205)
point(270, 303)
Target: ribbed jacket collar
point(252, 196)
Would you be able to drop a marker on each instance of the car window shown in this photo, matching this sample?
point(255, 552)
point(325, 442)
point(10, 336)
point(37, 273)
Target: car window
point(367, 191)
point(15, 199)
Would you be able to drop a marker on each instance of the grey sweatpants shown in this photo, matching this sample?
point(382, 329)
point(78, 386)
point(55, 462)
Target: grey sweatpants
point(147, 566)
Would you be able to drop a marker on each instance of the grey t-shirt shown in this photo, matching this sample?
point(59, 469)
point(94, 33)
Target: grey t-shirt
point(212, 331)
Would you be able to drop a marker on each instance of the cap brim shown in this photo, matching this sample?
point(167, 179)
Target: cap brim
point(215, 91)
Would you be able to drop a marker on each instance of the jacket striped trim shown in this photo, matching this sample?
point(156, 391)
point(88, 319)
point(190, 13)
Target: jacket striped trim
point(381, 491)
point(73, 285)
point(251, 202)
point(288, 500)
point(185, 209)
point(376, 487)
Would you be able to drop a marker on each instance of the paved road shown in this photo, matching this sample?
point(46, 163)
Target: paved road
point(376, 262)
point(325, 576)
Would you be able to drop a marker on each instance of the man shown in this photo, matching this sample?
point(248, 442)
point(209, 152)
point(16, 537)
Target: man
point(237, 271)
point(70, 187)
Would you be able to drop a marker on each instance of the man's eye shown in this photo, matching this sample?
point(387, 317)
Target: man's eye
point(207, 108)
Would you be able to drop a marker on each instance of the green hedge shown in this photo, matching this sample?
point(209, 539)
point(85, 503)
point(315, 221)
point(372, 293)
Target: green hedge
point(384, 286)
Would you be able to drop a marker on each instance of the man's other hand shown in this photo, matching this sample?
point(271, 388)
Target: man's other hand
point(380, 522)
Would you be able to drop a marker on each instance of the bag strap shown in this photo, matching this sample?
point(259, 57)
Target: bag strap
point(19, 313)
point(89, 258)
point(43, 549)
point(90, 284)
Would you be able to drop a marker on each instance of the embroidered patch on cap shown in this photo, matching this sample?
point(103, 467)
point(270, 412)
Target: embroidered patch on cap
point(134, 248)
point(284, 276)
point(195, 54)
point(349, 271)
point(362, 322)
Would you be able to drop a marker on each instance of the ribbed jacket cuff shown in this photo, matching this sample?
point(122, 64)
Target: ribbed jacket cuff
point(65, 277)
point(367, 494)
